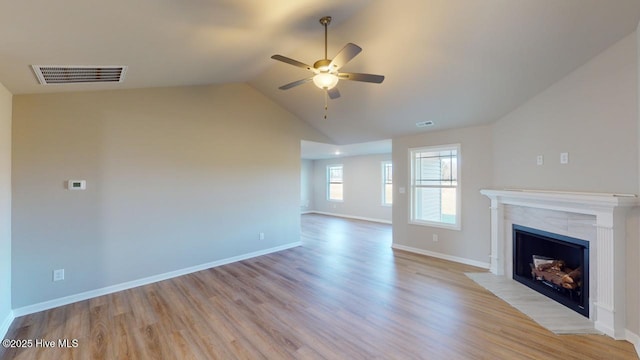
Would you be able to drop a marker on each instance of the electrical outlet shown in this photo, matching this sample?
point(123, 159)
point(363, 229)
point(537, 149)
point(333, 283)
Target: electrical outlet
point(435, 237)
point(58, 275)
point(261, 236)
point(540, 160)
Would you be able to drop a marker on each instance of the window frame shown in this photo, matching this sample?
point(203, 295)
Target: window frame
point(413, 187)
point(328, 186)
point(384, 183)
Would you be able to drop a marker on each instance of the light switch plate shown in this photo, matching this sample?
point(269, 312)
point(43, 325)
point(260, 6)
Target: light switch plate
point(58, 274)
point(564, 158)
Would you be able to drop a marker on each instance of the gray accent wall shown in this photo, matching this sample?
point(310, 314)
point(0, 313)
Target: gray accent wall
point(5, 206)
point(362, 176)
point(176, 177)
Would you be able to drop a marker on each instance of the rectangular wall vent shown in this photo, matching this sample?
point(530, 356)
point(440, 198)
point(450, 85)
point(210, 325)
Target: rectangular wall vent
point(74, 74)
point(424, 123)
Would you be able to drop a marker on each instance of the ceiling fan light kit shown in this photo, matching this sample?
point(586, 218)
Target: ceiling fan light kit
point(326, 71)
point(325, 80)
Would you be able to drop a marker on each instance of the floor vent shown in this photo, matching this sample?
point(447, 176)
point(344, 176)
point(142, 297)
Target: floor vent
point(65, 74)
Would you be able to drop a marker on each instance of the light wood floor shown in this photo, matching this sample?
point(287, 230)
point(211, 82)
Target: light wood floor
point(343, 295)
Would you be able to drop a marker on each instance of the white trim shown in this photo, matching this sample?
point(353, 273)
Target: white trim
point(480, 264)
point(30, 309)
point(350, 217)
point(412, 187)
point(307, 212)
point(633, 339)
point(606, 286)
point(383, 164)
point(4, 327)
point(328, 187)
point(436, 224)
point(577, 202)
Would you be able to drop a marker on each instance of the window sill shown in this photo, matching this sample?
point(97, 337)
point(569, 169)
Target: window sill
point(455, 227)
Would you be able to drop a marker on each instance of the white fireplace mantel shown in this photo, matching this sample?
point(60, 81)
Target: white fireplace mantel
point(607, 286)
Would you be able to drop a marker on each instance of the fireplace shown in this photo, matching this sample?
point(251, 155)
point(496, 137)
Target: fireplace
point(554, 265)
point(598, 218)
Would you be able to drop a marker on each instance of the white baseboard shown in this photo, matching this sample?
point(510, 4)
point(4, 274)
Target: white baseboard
point(457, 259)
point(144, 281)
point(349, 216)
point(6, 323)
point(635, 340)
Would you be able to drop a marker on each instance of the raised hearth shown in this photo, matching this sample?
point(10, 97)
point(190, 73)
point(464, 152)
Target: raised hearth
point(598, 219)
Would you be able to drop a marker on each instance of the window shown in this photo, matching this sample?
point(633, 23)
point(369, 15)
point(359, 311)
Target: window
point(387, 183)
point(435, 186)
point(334, 183)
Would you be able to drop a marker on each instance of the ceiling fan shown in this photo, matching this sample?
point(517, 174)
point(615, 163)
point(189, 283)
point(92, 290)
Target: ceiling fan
point(326, 72)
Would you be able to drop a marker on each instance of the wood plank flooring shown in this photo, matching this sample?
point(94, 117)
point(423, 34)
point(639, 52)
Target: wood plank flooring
point(344, 294)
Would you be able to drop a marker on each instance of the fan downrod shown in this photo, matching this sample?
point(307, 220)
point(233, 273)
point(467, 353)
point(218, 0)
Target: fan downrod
point(325, 20)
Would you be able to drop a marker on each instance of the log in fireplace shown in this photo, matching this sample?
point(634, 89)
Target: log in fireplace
point(554, 265)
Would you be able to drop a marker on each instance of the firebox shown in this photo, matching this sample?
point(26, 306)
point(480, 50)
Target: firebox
point(554, 265)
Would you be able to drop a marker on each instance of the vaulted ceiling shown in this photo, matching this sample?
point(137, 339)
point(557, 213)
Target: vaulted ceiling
point(454, 62)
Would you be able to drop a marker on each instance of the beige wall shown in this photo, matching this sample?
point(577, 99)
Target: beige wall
point(593, 115)
point(635, 325)
point(472, 241)
point(362, 176)
point(306, 186)
point(176, 177)
point(5, 208)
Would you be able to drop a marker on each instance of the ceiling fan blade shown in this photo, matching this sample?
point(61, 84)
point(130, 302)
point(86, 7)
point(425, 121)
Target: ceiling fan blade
point(333, 93)
point(362, 77)
point(294, 84)
point(345, 55)
point(292, 62)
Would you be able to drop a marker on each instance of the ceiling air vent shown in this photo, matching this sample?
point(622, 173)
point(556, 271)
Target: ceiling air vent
point(424, 123)
point(73, 74)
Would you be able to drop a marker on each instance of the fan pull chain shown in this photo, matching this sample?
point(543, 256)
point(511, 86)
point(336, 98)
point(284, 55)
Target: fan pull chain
point(326, 104)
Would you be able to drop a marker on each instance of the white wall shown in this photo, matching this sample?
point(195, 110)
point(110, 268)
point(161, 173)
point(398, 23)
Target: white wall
point(362, 176)
point(5, 210)
point(472, 241)
point(176, 177)
point(306, 186)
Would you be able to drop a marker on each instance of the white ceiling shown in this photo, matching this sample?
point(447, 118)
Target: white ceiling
point(311, 150)
point(456, 62)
